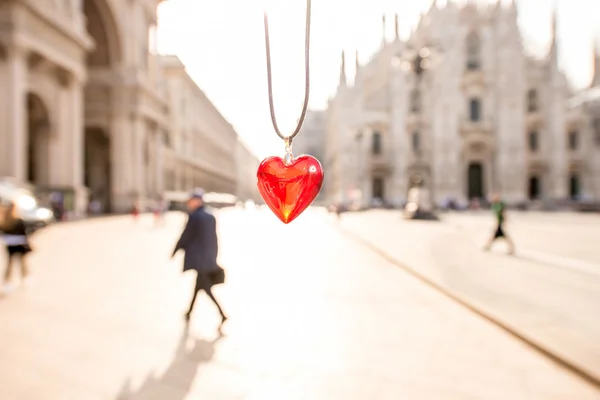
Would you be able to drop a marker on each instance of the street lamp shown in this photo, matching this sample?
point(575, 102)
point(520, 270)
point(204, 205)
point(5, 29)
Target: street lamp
point(417, 61)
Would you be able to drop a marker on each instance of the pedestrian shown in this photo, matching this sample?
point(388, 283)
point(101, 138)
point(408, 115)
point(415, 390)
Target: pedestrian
point(200, 243)
point(135, 210)
point(17, 246)
point(498, 208)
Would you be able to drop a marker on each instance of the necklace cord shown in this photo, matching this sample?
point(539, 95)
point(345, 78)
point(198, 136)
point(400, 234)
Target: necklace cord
point(288, 139)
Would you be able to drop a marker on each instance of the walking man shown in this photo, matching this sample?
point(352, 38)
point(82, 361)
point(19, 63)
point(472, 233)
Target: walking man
point(498, 209)
point(200, 243)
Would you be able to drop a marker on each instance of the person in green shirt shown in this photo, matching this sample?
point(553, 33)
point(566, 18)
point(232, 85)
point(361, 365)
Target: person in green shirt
point(498, 208)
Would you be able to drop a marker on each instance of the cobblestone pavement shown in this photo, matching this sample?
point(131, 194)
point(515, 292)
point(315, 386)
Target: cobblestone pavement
point(551, 296)
point(312, 314)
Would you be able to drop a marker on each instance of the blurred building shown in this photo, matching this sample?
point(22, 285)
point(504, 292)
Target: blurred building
point(85, 109)
point(311, 139)
point(246, 166)
point(202, 142)
point(483, 117)
point(82, 106)
point(585, 147)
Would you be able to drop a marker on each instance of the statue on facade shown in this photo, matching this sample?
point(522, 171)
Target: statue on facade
point(419, 204)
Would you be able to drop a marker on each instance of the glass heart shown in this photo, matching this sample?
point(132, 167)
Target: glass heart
point(289, 189)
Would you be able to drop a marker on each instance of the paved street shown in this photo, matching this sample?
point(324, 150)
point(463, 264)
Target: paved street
point(313, 316)
point(551, 237)
point(549, 291)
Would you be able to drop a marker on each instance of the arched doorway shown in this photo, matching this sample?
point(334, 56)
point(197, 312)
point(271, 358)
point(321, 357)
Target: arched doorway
point(574, 186)
point(378, 188)
point(106, 54)
point(97, 166)
point(475, 182)
point(102, 27)
point(535, 187)
point(38, 141)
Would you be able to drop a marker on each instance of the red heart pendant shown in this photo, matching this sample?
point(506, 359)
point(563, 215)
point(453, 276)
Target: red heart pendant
point(289, 189)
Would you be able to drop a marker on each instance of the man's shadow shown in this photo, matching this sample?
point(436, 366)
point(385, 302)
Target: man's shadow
point(177, 380)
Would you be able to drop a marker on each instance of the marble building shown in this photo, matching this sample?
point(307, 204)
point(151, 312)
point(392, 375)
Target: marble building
point(310, 140)
point(204, 149)
point(202, 143)
point(475, 115)
point(86, 110)
point(246, 167)
point(585, 150)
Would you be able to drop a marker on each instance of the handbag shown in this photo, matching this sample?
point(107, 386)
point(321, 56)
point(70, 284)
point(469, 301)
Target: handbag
point(217, 277)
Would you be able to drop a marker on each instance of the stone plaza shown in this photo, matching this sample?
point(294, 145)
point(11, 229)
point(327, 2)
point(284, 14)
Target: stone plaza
point(313, 313)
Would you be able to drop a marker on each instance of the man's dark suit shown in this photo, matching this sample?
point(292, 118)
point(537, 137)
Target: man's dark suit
point(200, 243)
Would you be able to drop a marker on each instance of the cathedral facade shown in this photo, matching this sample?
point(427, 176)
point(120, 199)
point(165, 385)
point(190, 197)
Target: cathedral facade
point(461, 108)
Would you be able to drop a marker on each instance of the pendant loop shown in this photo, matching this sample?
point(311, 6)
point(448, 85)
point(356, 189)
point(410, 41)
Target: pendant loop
point(289, 157)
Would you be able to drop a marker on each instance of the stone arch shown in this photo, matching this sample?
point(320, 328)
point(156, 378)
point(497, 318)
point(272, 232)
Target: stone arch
point(104, 28)
point(476, 180)
point(477, 169)
point(38, 140)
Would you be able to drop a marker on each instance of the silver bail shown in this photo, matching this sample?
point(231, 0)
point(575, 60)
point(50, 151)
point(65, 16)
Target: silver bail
point(288, 158)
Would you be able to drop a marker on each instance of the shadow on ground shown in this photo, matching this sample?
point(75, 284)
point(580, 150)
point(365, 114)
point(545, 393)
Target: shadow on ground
point(177, 380)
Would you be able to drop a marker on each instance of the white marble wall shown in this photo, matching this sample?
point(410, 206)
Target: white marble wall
point(449, 141)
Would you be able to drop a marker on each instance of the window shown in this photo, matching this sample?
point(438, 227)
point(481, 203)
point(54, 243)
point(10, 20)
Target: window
point(573, 140)
point(533, 141)
point(152, 41)
point(415, 101)
point(376, 145)
point(473, 52)
point(532, 100)
point(474, 110)
point(416, 142)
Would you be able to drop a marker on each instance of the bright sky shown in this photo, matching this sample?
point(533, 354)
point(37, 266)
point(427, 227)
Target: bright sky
point(222, 45)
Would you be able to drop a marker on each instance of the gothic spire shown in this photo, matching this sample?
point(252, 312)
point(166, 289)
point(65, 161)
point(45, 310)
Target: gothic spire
point(343, 69)
point(383, 41)
point(396, 27)
point(554, 45)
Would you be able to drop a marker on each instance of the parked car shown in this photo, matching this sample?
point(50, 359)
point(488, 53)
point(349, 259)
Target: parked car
point(34, 215)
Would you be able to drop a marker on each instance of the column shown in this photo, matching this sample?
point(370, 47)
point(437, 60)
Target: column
point(139, 166)
point(365, 167)
point(149, 165)
point(66, 144)
point(399, 137)
point(68, 148)
point(159, 162)
point(13, 135)
point(121, 165)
